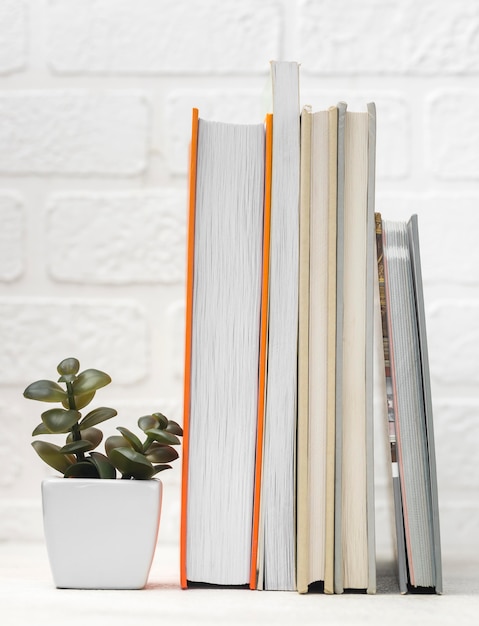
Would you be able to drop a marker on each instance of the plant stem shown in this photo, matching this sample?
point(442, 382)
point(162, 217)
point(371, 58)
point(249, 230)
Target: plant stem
point(147, 443)
point(76, 434)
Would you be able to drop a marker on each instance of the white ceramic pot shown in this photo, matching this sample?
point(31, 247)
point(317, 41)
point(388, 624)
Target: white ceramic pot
point(101, 534)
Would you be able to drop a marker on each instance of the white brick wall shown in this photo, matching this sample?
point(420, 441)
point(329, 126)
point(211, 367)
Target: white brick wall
point(13, 35)
point(113, 239)
point(73, 132)
point(167, 36)
point(452, 147)
point(11, 237)
point(95, 109)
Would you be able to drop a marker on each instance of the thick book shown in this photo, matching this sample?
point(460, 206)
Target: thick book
point(225, 287)
point(354, 555)
point(410, 419)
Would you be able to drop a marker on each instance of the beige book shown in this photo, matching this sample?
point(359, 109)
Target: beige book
point(354, 538)
point(316, 370)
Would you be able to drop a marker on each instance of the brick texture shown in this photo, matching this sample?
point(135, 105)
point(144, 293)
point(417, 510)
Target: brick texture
point(37, 333)
point(455, 421)
point(114, 239)
point(11, 237)
point(453, 135)
point(453, 353)
point(95, 119)
point(140, 36)
point(396, 37)
point(73, 132)
point(13, 36)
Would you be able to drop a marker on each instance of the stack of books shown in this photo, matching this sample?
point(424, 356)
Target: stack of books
point(290, 273)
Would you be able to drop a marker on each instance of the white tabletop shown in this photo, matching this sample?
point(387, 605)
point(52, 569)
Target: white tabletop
point(27, 596)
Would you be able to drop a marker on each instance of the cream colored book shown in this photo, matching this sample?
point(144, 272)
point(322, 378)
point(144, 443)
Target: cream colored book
point(354, 505)
point(303, 500)
point(316, 352)
point(331, 349)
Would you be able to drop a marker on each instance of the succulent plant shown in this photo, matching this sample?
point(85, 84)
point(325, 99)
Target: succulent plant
point(78, 457)
point(136, 459)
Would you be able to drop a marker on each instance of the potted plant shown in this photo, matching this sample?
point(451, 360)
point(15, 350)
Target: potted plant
point(100, 531)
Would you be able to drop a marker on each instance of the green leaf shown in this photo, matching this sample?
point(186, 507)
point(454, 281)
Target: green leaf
point(131, 438)
point(162, 419)
point(160, 468)
point(81, 400)
point(175, 428)
point(45, 391)
point(41, 429)
point(90, 380)
point(93, 435)
point(131, 463)
point(67, 378)
point(162, 436)
point(148, 421)
point(162, 454)
point(77, 446)
point(51, 455)
point(115, 441)
point(103, 465)
point(60, 420)
point(68, 366)
point(97, 416)
point(82, 469)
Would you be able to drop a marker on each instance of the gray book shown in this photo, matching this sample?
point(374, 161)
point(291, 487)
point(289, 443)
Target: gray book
point(410, 409)
point(413, 233)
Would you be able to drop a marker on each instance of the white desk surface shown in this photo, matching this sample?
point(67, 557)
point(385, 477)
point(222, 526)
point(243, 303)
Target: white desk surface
point(28, 597)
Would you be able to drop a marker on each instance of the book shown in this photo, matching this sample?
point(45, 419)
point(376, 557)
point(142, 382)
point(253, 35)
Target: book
point(276, 510)
point(222, 356)
point(335, 487)
point(410, 419)
point(289, 272)
point(317, 350)
point(354, 555)
point(263, 354)
point(391, 422)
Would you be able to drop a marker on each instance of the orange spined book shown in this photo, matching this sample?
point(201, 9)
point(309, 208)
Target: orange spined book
point(225, 319)
point(189, 315)
point(263, 364)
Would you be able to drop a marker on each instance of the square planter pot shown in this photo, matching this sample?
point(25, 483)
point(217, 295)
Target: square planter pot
point(101, 534)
